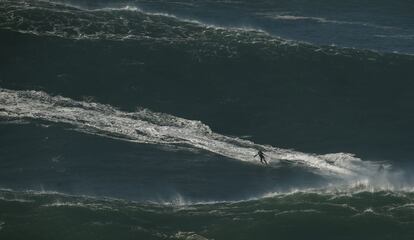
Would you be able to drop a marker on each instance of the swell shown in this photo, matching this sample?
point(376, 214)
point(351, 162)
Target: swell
point(44, 18)
point(117, 24)
point(131, 23)
point(325, 214)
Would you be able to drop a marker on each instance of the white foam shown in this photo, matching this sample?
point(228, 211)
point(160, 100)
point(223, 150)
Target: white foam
point(15, 200)
point(348, 189)
point(91, 206)
point(145, 126)
point(188, 236)
point(321, 20)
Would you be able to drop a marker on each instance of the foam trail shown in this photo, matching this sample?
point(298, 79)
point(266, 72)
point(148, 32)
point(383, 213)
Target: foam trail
point(145, 126)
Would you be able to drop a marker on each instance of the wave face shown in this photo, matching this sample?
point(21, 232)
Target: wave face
point(238, 82)
point(148, 127)
point(142, 119)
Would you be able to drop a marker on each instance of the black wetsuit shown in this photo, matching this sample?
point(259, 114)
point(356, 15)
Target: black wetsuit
point(262, 157)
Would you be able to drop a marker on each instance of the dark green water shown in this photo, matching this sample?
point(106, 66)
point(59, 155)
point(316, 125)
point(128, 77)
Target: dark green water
point(334, 215)
point(140, 120)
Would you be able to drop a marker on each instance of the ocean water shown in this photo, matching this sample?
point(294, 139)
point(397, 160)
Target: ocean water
point(140, 119)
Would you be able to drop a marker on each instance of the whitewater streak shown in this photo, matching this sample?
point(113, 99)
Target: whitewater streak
point(145, 126)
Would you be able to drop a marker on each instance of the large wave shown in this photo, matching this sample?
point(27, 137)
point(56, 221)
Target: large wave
point(226, 73)
point(201, 87)
point(145, 126)
point(130, 22)
point(124, 23)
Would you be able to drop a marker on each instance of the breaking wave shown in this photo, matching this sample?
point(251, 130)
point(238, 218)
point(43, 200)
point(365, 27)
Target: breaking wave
point(145, 126)
point(393, 210)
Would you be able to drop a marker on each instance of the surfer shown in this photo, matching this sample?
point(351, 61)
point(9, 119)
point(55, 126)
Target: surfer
point(262, 157)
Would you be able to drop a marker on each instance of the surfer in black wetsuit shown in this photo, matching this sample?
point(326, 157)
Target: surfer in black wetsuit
point(262, 157)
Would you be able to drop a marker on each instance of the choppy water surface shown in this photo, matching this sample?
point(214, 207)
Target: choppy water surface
point(140, 119)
